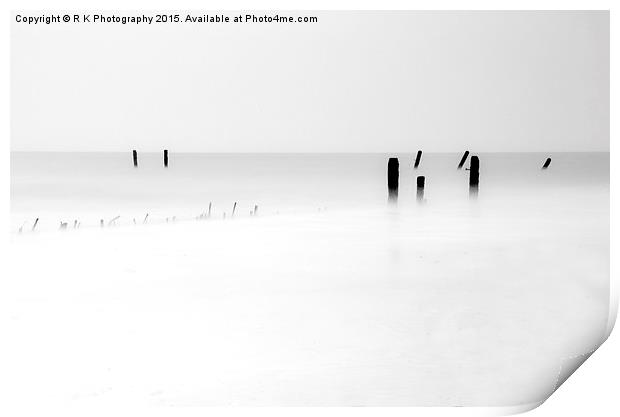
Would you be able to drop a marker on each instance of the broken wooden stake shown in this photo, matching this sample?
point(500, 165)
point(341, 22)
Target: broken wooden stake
point(463, 159)
point(547, 163)
point(417, 159)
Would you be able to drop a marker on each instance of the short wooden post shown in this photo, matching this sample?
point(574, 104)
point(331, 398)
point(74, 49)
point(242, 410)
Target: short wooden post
point(474, 175)
point(417, 159)
point(233, 209)
point(255, 209)
point(135, 158)
point(463, 159)
point(420, 187)
point(393, 179)
point(547, 163)
point(166, 157)
point(35, 224)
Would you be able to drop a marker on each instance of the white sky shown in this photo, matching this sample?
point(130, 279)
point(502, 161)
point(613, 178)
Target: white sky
point(354, 82)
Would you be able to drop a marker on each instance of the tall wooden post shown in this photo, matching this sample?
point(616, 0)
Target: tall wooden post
point(166, 157)
point(135, 158)
point(474, 175)
point(393, 179)
point(420, 187)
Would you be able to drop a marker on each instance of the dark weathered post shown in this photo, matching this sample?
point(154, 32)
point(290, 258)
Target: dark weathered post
point(166, 157)
point(463, 159)
point(474, 175)
point(135, 158)
point(547, 163)
point(420, 187)
point(417, 159)
point(393, 179)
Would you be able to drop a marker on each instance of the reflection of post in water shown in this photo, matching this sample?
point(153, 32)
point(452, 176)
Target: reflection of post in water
point(420, 188)
point(474, 176)
point(393, 179)
point(547, 163)
point(463, 159)
point(417, 159)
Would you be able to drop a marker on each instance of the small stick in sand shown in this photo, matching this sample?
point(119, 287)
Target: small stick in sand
point(234, 208)
point(417, 159)
point(255, 209)
point(75, 223)
point(463, 159)
point(101, 222)
point(145, 217)
point(547, 163)
point(35, 224)
point(209, 213)
point(113, 220)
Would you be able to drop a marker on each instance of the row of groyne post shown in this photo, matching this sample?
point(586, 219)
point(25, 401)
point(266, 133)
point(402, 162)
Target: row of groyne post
point(134, 155)
point(474, 175)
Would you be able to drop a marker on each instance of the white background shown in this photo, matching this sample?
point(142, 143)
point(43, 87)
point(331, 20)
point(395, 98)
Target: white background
point(592, 389)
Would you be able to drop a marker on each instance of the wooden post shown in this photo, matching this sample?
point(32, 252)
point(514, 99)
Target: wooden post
point(35, 224)
point(463, 159)
point(166, 157)
point(547, 163)
point(135, 158)
point(474, 175)
point(420, 187)
point(233, 210)
point(417, 159)
point(393, 179)
point(255, 209)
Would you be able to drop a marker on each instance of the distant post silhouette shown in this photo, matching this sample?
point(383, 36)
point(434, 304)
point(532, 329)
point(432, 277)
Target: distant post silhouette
point(420, 187)
point(417, 159)
point(547, 163)
point(135, 158)
point(463, 159)
point(166, 157)
point(474, 175)
point(393, 179)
